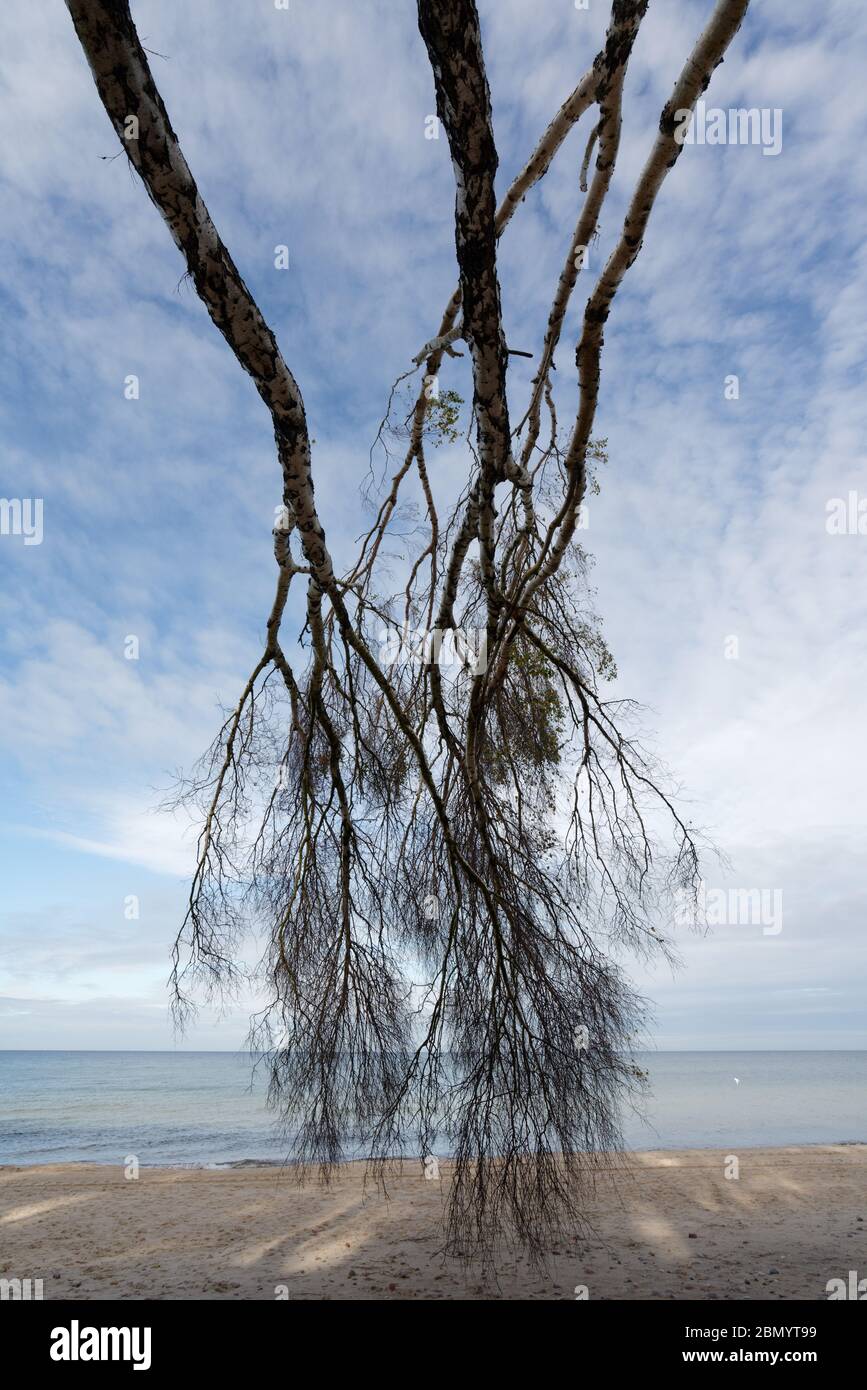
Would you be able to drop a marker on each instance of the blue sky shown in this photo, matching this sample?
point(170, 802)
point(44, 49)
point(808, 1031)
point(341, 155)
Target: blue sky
point(306, 128)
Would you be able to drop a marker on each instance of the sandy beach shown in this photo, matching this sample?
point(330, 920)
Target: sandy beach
point(673, 1228)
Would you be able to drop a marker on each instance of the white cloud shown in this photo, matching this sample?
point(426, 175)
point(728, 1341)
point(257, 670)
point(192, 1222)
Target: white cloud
point(307, 128)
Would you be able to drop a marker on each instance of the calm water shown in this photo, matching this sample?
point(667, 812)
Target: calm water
point(197, 1107)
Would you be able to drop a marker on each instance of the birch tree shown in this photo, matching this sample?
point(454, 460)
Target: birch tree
point(450, 861)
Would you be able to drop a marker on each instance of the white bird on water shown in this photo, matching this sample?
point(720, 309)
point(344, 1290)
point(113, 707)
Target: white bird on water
point(736, 1081)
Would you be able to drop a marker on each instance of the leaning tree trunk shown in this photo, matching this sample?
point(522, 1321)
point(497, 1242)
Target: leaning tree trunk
point(444, 862)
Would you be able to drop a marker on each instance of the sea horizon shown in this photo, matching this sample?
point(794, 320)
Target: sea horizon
point(207, 1107)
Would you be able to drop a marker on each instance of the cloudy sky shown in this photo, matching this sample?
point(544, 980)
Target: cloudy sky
point(736, 616)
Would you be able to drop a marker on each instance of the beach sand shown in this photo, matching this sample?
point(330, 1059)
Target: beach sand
point(673, 1228)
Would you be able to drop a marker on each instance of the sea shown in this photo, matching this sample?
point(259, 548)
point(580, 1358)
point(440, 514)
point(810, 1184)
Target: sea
point(208, 1109)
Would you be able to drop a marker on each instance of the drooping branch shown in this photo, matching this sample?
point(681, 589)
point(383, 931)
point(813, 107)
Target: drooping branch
point(694, 78)
point(533, 171)
point(609, 72)
point(123, 79)
point(443, 853)
point(451, 31)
